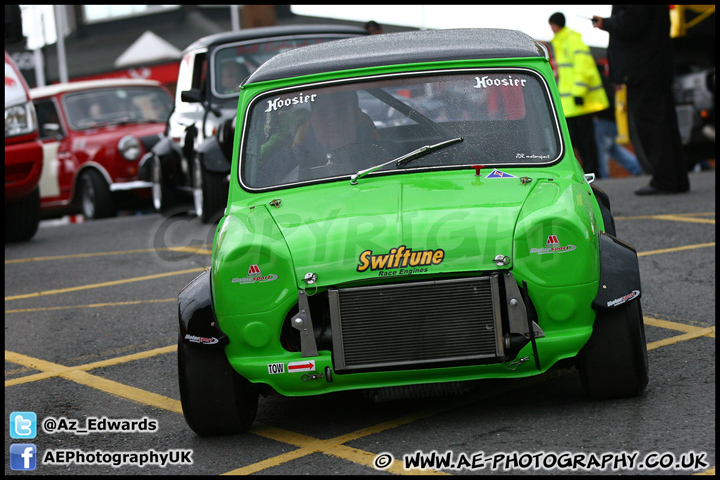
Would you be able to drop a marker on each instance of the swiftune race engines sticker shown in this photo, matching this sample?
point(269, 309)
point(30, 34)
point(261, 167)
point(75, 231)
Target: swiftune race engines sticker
point(400, 261)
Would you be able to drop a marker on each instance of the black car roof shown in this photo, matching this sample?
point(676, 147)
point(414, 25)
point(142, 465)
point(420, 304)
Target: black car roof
point(278, 31)
point(399, 48)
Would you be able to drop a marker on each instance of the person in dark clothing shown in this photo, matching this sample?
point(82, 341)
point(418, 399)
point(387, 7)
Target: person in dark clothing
point(606, 133)
point(640, 56)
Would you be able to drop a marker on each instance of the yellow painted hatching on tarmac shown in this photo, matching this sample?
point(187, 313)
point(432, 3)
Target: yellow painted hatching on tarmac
point(306, 445)
point(104, 284)
point(198, 249)
point(92, 305)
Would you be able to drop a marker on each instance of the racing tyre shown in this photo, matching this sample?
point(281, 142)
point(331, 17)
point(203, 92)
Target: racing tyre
point(614, 362)
point(22, 218)
point(164, 197)
point(215, 399)
point(95, 197)
point(209, 194)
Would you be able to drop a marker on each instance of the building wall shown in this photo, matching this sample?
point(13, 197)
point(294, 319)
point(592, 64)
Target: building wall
point(92, 47)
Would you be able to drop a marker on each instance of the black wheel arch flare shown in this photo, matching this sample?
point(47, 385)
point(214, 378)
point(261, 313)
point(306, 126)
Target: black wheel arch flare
point(619, 273)
point(196, 314)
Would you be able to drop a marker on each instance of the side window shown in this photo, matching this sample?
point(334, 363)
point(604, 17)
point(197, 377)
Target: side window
point(184, 76)
point(200, 73)
point(192, 75)
point(48, 119)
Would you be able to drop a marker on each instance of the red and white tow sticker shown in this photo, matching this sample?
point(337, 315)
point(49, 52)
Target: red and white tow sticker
point(304, 366)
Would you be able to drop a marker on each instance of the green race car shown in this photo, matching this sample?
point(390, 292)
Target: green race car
point(406, 210)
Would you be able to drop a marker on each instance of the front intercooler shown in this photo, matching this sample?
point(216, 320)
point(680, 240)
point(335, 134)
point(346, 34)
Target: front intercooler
point(416, 325)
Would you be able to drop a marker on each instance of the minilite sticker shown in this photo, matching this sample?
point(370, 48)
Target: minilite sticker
point(552, 245)
point(254, 275)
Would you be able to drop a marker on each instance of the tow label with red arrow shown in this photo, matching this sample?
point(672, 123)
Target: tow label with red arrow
point(304, 366)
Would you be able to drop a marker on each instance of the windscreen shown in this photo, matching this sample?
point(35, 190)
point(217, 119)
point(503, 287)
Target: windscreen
point(233, 63)
point(332, 130)
point(118, 105)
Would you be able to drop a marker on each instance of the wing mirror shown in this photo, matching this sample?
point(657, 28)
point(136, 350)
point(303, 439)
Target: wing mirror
point(191, 96)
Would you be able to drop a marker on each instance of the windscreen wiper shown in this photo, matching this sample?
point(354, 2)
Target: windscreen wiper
point(409, 112)
point(408, 157)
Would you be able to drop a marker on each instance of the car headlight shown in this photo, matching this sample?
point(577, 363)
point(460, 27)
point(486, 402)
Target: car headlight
point(130, 148)
point(19, 120)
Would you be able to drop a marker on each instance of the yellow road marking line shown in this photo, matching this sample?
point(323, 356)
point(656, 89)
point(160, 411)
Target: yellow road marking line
point(92, 305)
point(700, 332)
point(332, 446)
point(696, 214)
point(50, 369)
point(105, 284)
point(681, 217)
point(201, 249)
point(677, 218)
point(270, 462)
point(78, 375)
point(681, 327)
point(120, 353)
point(710, 471)
point(676, 249)
point(122, 390)
point(656, 322)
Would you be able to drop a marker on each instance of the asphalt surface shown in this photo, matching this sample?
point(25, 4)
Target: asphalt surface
point(91, 330)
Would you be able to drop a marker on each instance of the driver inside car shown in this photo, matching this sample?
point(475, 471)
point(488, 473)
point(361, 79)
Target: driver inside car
point(231, 76)
point(335, 121)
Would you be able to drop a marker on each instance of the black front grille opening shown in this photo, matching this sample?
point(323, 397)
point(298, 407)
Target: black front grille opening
point(420, 325)
point(422, 344)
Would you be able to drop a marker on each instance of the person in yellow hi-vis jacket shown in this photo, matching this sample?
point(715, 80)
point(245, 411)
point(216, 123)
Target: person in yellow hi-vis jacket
point(581, 89)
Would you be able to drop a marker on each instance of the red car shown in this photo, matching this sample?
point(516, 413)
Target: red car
point(23, 158)
point(94, 134)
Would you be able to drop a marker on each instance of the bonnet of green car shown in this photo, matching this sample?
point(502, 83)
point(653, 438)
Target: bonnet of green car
point(385, 226)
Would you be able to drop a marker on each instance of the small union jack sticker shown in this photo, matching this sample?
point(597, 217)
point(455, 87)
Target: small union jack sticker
point(498, 174)
point(552, 240)
point(254, 270)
